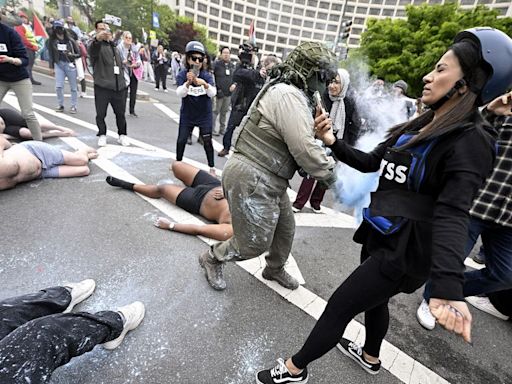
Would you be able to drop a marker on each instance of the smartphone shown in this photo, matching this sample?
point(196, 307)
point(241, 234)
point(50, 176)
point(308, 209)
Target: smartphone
point(195, 69)
point(319, 102)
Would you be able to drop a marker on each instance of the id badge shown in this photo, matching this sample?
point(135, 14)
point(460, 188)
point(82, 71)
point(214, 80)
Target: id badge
point(3, 48)
point(228, 72)
point(62, 47)
point(116, 70)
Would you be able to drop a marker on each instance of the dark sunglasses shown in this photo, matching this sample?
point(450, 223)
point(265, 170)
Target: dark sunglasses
point(197, 59)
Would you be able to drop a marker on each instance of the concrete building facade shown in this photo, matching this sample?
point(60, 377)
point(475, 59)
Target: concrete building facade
point(282, 24)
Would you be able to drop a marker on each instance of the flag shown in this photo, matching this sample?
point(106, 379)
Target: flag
point(252, 33)
point(156, 20)
point(39, 30)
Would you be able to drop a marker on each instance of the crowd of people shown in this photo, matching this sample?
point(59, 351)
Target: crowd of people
point(434, 197)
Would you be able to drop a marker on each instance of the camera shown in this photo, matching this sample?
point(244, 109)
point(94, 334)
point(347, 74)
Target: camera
point(246, 50)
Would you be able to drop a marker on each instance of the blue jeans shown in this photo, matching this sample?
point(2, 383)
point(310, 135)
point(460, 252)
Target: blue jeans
point(497, 274)
point(63, 70)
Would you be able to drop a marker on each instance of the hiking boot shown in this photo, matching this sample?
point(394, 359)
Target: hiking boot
point(102, 141)
point(355, 352)
point(485, 305)
point(281, 375)
point(425, 317)
point(79, 292)
point(213, 270)
point(281, 276)
point(223, 153)
point(132, 315)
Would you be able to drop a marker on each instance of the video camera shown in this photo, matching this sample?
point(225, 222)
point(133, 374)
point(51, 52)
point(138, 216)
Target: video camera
point(246, 50)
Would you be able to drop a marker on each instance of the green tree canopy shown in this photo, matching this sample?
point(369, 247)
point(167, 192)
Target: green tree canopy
point(408, 49)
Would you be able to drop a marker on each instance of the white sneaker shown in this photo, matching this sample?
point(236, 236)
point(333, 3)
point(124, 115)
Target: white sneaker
point(133, 314)
point(166, 91)
point(425, 317)
point(102, 141)
point(295, 210)
point(157, 89)
point(83, 94)
point(123, 140)
point(485, 305)
point(79, 292)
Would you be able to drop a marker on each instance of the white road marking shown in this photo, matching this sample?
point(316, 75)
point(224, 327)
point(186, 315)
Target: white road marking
point(394, 360)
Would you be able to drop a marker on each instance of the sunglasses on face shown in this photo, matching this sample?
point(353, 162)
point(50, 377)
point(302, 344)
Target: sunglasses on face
point(197, 59)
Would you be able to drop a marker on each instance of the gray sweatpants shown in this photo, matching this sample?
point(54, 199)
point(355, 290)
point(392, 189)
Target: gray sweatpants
point(23, 91)
point(261, 214)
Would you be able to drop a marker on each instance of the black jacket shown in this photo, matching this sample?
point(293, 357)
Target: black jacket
point(248, 83)
point(222, 80)
point(72, 53)
point(14, 48)
point(104, 56)
point(455, 169)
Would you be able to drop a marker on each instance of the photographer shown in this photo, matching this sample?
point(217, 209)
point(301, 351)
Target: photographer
point(196, 88)
point(109, 84)
point(63, 51)
point(248, 82)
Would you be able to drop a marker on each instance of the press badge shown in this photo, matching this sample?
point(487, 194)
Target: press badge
point(3, 48)
point(228, 72)
point(116, 70)
point(62, 47)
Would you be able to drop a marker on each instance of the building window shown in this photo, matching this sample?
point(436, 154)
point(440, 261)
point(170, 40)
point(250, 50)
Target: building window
point(281, 40)
point(285, 19)
point(213, 23)
point(264, 3)
point(300, 2)
point(294, 32)
point(332, 28)
point(260, 35)
point(224, 38)
point(274, 16)
point(202, 7)
point(237, 30)
point(390, 2)
point(226, 15)
point(310, 13)
point(190, 3)
point(322, 16)
point(239, 7)
point(189, 15)
point(293, 42)
point(250, 11)
point(405, 2)
point(238, 19)
point(272, 28)
point(296, 21)
point(350, 9)
point(262, 14)
point(320, 26)
point(308, 24)
point(287, 9)
point(224, 27)
point(214, 11)
point(333, 17)
point(298, 11)
point(213, 1)
point(374, 11)
point(400, 13)
point(324, 5)
point(376, 2)
point(283, 30)
point(306, 34)
point(275, 5)
point(318, 36)
point(212, 35)
point(353, 41)
point(269, 48)
point(388, 12)
point(361, 10)
point(313, 3)
point(271, 37)
point(260, 24)
point(439, 2)
point(336, 7)
point(227, 4)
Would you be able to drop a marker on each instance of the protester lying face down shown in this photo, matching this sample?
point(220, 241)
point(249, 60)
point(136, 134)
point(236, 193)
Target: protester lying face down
point(404, 246)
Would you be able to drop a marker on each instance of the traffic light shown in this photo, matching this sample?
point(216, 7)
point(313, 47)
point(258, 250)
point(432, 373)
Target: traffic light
point(345, 29)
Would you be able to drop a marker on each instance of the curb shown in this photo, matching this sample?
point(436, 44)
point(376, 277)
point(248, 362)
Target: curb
point(41, 67)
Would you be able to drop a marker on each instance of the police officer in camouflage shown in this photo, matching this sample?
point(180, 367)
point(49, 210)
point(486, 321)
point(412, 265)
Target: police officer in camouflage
point(274, 140)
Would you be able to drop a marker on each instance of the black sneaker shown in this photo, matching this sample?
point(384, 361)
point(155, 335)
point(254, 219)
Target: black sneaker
point(280, 375)
point(355, 352)
point(59, 108)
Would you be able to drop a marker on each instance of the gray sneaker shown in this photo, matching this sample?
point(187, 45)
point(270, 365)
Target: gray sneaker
point(281, 276)
point(214, 271)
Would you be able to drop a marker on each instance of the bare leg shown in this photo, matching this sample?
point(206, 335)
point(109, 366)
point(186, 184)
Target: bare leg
point(168, 191)
point(26, 134)
point(49, 126)
point(74, 170)
point(80, 157)
point(185, 172)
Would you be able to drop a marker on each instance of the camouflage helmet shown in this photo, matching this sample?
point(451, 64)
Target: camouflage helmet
point(312, 57)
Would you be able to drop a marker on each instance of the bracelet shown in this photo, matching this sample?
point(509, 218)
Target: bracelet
point(171, 226)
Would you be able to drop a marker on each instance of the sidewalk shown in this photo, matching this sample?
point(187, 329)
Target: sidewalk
point(42, 67)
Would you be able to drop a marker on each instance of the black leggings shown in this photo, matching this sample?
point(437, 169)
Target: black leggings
point(367, 290)
point(205, 131)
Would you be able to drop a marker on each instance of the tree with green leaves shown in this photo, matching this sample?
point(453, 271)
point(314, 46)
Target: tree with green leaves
point(186, 31)
point(408, 49)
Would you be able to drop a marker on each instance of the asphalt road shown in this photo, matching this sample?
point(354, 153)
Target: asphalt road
point(71, 229)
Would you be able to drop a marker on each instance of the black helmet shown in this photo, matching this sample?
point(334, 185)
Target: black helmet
point(195, 46)
point(496, 49)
